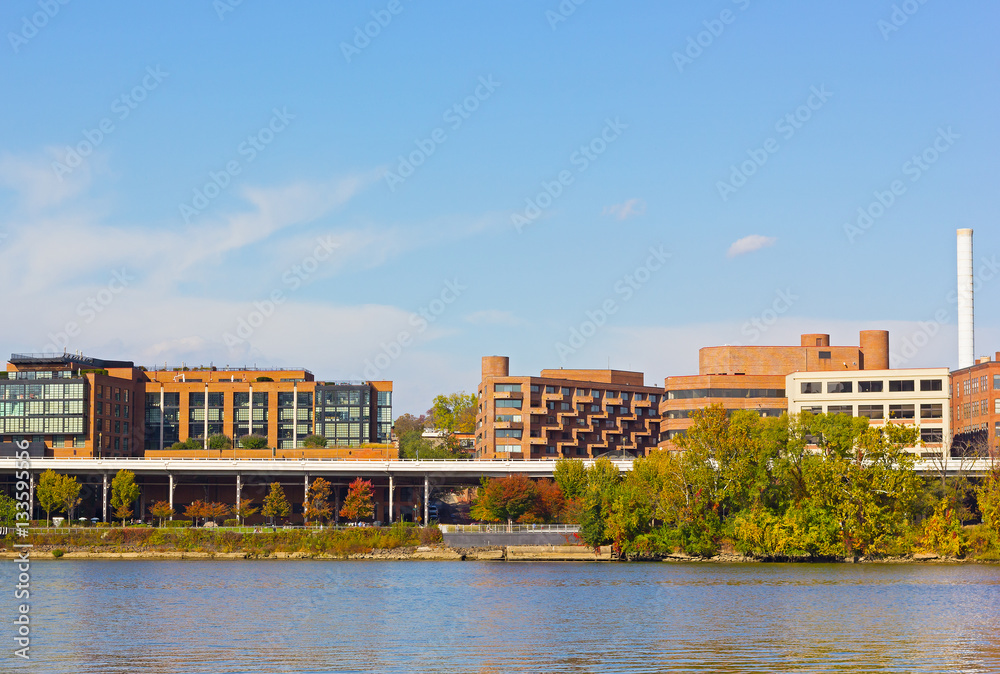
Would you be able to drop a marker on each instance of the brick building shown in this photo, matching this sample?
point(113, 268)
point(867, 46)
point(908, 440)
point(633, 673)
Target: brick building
point(753, 377)
point(975, 403)
point(564, 413)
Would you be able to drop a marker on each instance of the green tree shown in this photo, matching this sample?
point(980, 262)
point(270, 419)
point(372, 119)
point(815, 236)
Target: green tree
point(505, 499)
point(220, 441)
point(571, 476)
point(245, 509)
point(276, 504)
point(317, 503)
point(455, 413)
point(69, 496)
point(8, 511)
point(253, 442)
point(124, 492)
point(988, 500)
point(314, 441)
point(161, 510)
point(358, 502)
point(49, 493)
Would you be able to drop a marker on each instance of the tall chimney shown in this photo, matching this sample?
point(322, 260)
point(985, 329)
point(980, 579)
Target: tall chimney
point(966, 314)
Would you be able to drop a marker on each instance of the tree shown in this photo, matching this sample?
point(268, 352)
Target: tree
point(455, 413)
point(124, 492)
point(358, 503)
point(316, 505)
point(412, 445)
point(988, 500)
point(69, 495)
point(314, 441)
point(197, 510)
point(161, 510)
point(407, 423)
point(253, 442)
point(505, 499)
point(220, 441)
point(549, 503)
point(48, 490)
point(245, 509)
point(571, 477)
point(217, 511)
point(8, 511)
point(276, 503)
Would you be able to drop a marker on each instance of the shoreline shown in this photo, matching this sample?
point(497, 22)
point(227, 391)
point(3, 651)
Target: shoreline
point(510, 553)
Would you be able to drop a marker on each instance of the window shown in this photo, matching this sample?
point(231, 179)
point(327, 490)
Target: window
point(564, 406)
point(594, 393)
point(869, 387)
point(654, 398)
point(509, 433)
point(550, 389)
point(595, 408)
point(510, 402)
point(581, 392)
point(824, 355)
point(966, 387)
point(901, 411)
point(507, 388)
point(812, 387)
point(813, 410)
point(871, 411)
point(534, 388)
point(839, 387)
point(841, 409)
point(899, 385)
point(565, 391)
point(931, 435)
point(610, 394)
point(975, 385)
point(996, 382)
point(996, 406)
point(640, 396)
point(931, 385)
point(625, 396)
point(551, 405)
point(931, 411)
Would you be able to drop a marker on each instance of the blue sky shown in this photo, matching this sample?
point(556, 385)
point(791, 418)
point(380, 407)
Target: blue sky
point(321, 249)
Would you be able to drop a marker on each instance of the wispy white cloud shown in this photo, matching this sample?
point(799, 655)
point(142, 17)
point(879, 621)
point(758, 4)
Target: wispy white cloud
point(38, 185)
point(749, 244)
point(627, 209)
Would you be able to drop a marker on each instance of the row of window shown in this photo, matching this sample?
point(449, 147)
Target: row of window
point(874, 386)
point(927, 411)
point(46, 425)
point(565, 390)
point(49, 391)
point(977, 384)
point(41, 374)
point(977, 408)
point(726, 393)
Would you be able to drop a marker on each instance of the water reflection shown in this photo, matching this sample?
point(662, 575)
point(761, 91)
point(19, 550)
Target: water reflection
point(300, 616)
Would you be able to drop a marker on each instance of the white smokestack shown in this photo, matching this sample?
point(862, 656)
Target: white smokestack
point(966, 314)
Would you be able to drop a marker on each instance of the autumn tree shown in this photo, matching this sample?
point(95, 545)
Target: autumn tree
point(217, 511)
point(548, 505)
point(124, 492)
point(69, 496)
point(276, 504)
point(245, 509)
point(317, 505)
point(505, 499)
point(197, 510)
point(406, 423)
point(161, 510)
point(358, 504)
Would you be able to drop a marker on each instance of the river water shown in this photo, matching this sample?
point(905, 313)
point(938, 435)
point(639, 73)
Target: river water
point(328, 616)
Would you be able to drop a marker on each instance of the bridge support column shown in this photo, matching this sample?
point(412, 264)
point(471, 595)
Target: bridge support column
point(427, 496)
point(392, 487)
point(170, 491)
point(239, 494)
point(104, 500)
point(31, 494)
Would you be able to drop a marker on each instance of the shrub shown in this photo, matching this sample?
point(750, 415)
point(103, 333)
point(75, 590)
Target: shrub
point(263, 379)
point(220, 441)
point(253, 442)
point(57, 553)
point(943, 532)
point(431, 535)
point(177, 523)
point(314, 441)
point(231, 523)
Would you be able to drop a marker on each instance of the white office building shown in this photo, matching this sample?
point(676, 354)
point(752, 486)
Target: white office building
point(919, 397)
